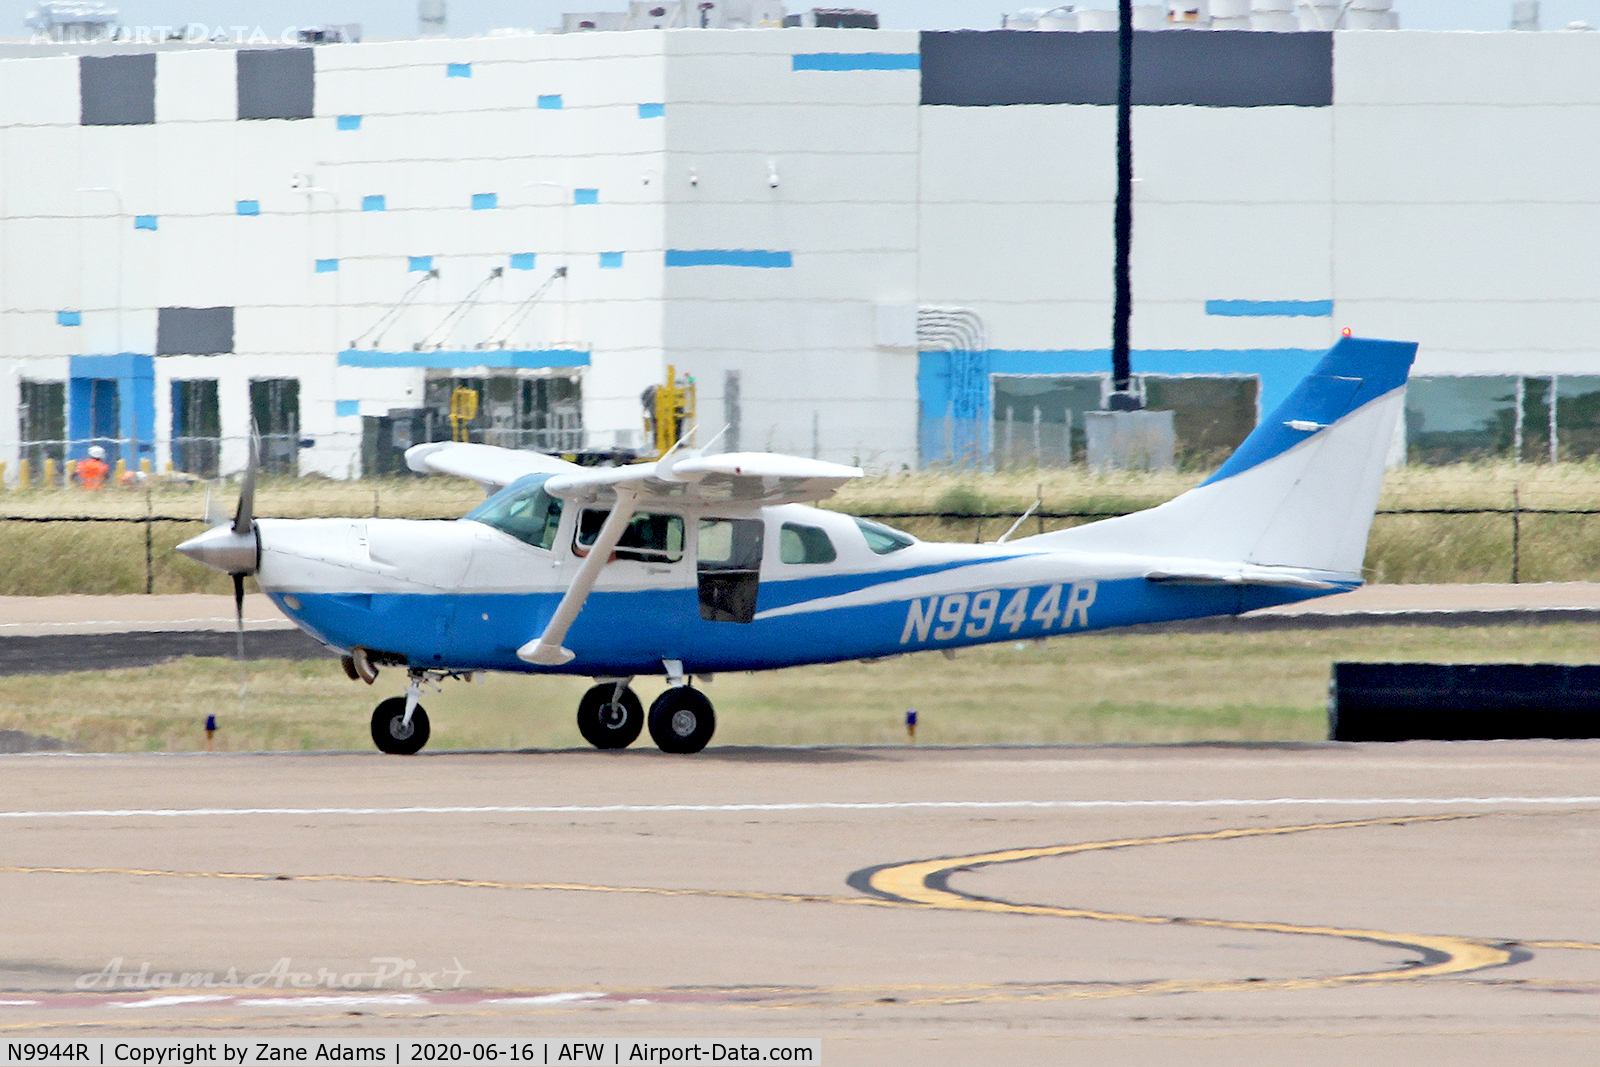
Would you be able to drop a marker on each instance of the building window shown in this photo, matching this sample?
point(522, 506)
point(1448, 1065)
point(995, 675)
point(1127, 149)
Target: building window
point(1038, 419)
point(485, 201)
point(522, 260)
point(196, 426)
point(275, 406)
point(349, 122)
point(550, 102)
point(458, 70)
point(375, 203)
point(585, 196)
point(248, 207)
point(610, 260)
point(1476, 417)
point(422, 263)
point(42, 423)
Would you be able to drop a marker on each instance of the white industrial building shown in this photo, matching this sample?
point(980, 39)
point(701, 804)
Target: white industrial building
point(875, 246)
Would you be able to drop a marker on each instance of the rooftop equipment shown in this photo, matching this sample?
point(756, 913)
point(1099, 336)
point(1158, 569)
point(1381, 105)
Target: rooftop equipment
point(73, 20)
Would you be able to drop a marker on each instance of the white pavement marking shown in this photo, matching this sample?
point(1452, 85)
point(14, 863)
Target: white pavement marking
point(167, 1002)
point(883, 805)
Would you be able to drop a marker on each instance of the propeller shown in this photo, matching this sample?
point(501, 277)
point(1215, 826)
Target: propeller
point(233, 548)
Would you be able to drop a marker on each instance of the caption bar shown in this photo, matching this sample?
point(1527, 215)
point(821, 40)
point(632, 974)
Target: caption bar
point(541, 1051)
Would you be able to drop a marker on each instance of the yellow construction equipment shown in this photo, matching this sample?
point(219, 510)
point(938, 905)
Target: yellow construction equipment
point(463, 409)
point(669, 410)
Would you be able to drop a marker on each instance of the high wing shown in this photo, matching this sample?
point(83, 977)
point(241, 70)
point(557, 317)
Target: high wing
point(491, 467)
point(749, 478)
point(685, 478)
point(690, 478)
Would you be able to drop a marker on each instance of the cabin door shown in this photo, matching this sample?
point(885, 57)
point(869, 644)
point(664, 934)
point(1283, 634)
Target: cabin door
point(729, 568)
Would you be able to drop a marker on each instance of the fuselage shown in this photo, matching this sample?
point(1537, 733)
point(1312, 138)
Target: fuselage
point(717, 588)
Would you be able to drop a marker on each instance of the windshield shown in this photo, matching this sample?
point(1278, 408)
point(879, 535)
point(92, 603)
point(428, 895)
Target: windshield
point(883, 539)
point(524, 510)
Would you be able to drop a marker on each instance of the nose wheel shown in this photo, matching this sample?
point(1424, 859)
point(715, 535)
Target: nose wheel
point(610, 715)
point(394, 733)
point(681, 720)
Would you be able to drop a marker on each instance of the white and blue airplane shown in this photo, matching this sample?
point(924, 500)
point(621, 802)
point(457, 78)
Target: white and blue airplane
point(696, 564)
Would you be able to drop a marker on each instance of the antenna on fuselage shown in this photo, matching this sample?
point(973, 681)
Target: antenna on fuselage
point(1020, 520)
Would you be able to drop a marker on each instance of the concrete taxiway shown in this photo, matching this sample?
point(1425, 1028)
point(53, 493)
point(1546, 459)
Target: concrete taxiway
point(1417, 903)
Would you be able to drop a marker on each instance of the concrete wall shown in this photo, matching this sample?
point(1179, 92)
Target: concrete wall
point(1445, 195)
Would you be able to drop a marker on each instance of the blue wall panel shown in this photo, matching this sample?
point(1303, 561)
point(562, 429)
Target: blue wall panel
point(121, 407)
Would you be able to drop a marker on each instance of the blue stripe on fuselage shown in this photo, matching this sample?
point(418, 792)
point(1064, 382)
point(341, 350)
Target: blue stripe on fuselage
point(620, 633)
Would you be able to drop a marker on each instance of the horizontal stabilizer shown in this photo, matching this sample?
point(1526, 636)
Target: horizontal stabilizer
point(1262, 578)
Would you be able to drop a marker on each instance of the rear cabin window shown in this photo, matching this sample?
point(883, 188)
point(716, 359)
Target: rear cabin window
point(883, 539)
point(805, 544)
point(523, 510)
point(650, 537)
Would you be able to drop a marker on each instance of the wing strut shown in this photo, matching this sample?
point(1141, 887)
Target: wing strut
point(546, 650)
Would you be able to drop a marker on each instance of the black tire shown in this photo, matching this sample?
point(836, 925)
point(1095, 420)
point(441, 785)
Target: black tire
point(607, 725)
point(386, 731)
point(681, 720)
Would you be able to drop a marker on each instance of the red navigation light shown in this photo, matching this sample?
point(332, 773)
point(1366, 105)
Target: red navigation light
point(1345, 331)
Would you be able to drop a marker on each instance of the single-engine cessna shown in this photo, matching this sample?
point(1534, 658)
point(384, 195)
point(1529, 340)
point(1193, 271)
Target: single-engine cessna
point(700, 563)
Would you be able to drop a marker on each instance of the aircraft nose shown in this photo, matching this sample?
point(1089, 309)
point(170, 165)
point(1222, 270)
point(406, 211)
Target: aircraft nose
point(222, 549)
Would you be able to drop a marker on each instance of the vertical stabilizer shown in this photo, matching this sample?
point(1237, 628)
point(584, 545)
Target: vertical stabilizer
point(1300, 491)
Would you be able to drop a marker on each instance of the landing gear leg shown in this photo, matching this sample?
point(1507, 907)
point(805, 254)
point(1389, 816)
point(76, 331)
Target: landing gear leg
point(610, 715)
point(400, 724)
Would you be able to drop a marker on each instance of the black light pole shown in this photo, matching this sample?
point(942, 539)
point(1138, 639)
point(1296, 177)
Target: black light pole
point(1122, 397)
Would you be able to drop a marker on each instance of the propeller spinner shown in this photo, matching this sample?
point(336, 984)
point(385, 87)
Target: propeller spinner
point(233, 548)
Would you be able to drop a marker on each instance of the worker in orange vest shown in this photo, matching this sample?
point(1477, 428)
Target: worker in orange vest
point(92, 471)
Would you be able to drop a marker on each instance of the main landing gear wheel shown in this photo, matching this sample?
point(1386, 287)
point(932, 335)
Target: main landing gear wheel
point(605, 723)
point(392, 735)
point(681, 720)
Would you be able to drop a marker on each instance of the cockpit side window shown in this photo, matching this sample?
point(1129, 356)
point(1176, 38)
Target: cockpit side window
point(524, 510)
point(884, 539)
point(650, 537)
point(805, 544)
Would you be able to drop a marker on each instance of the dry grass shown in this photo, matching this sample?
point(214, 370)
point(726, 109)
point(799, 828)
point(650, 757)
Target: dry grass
point(39, 559)
point(1108, 687)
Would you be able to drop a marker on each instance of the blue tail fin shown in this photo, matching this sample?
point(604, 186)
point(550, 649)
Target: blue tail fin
point(1300, 491)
